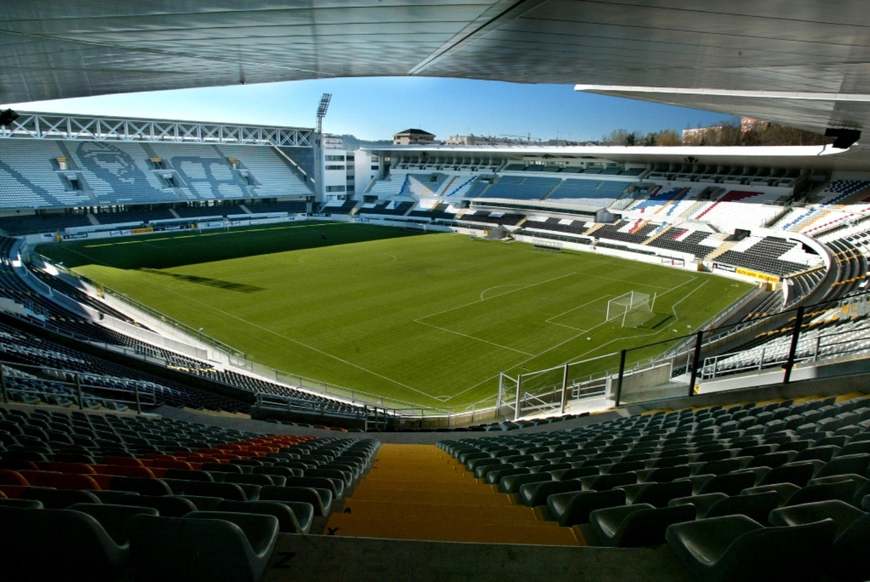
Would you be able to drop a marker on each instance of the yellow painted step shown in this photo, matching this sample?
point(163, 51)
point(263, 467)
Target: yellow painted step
point(456, 518)
point(365, 509)
point(437, 478)
point(389, 486)
point(465, 531)
point(432, 497)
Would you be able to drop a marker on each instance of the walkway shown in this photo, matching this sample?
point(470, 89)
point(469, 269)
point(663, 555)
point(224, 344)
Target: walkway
point(420, 492)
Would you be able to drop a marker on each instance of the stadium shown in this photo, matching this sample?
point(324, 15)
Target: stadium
point(251, 352)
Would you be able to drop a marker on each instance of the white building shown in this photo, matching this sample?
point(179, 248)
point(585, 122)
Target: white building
point(346, 173)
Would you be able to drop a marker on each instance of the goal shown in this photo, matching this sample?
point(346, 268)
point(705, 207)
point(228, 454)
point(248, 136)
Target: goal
point(632, 309)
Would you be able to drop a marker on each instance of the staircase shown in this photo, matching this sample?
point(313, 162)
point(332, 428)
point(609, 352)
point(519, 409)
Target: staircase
point(294, 167)
point(420, 492)
point(691, 210)
point(446, 186)
point(725, 246)
point(657, 234)
point(593, 228)
point(551, 190)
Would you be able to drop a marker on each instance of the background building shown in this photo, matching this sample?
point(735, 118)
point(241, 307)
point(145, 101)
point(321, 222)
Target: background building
point(413, 136)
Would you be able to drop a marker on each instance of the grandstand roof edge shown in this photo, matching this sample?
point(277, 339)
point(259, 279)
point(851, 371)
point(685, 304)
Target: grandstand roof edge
point(705, 151)
point(856, 158)
point(23, 113)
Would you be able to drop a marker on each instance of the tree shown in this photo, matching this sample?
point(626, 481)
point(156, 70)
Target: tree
point(616, 137)
point(667, 137)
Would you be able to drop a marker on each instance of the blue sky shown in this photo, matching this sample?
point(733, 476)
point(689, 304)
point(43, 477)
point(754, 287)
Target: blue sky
point(374, 108)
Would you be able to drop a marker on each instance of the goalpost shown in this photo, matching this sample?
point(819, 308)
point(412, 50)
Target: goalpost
point(631, 309)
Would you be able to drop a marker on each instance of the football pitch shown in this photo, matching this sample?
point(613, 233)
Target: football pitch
point(419, 318)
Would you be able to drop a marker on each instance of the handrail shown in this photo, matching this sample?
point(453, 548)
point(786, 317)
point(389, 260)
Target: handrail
point(15, 377)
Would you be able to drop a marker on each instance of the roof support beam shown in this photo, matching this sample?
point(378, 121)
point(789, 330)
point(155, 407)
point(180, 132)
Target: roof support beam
point(500, 11)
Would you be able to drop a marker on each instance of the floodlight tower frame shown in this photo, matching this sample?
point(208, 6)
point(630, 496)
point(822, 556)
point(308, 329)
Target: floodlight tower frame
point(322, 108)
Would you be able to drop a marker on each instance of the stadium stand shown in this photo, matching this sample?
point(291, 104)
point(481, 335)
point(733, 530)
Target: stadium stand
point(46, 314)
point(198, 210)
point(491, 217)
point(435, 212)
point(764, 256)
point(167, 498)
point(387, 208)
point(519, 187)
point(288, 206)
point(427, 185)
point(344, 207)
point(557, 225)
point(598, 193)
point(635, 232)
point(674, 477)
point(19, 224)
point(835, 192)
point(683, 240)
point(269, 174)
point(117, 173)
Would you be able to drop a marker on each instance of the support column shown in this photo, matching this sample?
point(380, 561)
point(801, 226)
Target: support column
point(795, 336)
point(564, 402)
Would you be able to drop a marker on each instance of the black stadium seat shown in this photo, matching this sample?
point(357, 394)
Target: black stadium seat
point(636, 525)
point(21, 503)
point(203, 546)
point(53, 544)
point(533, 494)
point(166, 505)
point(840, 512)
point(850, 559)
point(283, 511)
point(755, 506)
point(659, 494)
point(702, 503)
point(115, 519)
point(724, 549)
point(319, 499)
point(573, 508)
point(59, 498)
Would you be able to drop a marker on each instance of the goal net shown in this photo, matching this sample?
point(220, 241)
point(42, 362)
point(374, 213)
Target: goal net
point(631, 309)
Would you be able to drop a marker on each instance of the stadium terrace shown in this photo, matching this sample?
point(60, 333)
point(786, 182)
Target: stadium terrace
point(260, 353)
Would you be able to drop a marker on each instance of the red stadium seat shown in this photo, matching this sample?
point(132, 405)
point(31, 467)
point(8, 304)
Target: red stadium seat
point(9, 477)
point(78, 468)
point(13, 491)
point(125, 471)
point(60, 480)
point(126, 461)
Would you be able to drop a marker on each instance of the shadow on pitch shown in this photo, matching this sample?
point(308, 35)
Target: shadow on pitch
point(163, 252)
point(208, 281)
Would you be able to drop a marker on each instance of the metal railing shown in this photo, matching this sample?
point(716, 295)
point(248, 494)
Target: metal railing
point(825, 332)
point(666, 367)
point(239, 361)
point(27, 383)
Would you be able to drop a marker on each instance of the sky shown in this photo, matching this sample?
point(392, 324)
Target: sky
point(375, 108)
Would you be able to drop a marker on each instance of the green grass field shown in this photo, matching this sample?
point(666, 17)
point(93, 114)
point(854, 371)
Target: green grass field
point(426, 319)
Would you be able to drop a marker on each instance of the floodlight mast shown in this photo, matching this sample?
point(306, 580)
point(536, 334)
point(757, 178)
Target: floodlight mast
point(322, 107)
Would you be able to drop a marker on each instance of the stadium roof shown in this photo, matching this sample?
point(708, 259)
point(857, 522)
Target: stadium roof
point(801, 62)
point(822, 157)
point(414, 131)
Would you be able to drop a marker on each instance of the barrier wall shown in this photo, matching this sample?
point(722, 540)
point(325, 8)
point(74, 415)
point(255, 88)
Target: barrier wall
point(689, 264)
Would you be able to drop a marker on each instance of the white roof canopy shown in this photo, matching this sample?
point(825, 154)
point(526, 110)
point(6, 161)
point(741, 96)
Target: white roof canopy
point(748, 57)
